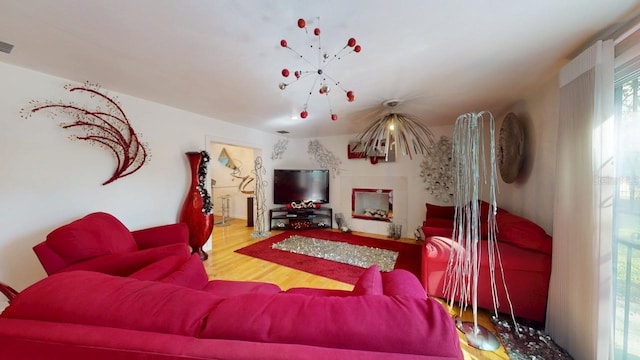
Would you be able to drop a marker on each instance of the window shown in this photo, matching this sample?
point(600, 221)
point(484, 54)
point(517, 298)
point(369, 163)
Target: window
point(626, 217)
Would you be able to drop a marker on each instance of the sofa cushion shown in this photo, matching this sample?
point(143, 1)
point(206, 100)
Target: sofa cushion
point(523, 233)
point(159, 269)
point(319, 292)
point(175, 270)
point(161, 235)
point(402, 282)
point(437, 231)
point(229, 288)
point(440, 217)
point(369, 283)
point(94, 235)
point(91, 298)
point(400, 324)
point(190, 274)
point(127, 263)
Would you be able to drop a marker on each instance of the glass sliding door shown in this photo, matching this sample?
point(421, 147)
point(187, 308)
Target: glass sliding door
point(626, 219)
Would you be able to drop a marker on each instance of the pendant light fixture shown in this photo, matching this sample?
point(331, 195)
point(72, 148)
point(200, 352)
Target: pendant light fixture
point(397, 132)
point(317, 69)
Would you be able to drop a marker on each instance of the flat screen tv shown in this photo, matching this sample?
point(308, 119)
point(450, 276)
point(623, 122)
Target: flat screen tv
point(299, 185)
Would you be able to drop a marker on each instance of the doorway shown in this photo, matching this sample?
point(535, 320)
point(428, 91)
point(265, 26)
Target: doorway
point(232, 181)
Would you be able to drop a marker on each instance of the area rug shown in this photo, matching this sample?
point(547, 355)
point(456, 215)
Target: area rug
point(528, 343)
point(356, 255)
point(409, 255)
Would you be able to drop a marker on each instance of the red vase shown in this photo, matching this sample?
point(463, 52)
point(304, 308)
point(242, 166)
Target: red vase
point(197, 205)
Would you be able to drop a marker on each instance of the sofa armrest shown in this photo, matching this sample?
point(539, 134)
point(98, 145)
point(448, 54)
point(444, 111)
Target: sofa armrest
point(50, 260)
point(8, 291)
point(161, 235)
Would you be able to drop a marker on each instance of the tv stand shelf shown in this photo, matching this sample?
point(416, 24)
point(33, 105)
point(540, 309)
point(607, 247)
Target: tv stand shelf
point(300, 219)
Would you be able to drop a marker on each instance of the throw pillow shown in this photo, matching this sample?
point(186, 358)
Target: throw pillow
point(521, 232)
point(440, 211)
point(369, 283)
point(94, 235)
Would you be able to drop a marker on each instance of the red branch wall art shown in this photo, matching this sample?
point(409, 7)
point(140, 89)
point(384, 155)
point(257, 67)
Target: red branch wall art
point(106, 126)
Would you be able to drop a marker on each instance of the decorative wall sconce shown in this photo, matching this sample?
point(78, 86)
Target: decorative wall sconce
point(307, 68)
point(279, 148)
point(436, 172)
point(511, 148)
point(324, 158)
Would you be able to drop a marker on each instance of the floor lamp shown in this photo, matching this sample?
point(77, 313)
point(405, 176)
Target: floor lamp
point(474, 164)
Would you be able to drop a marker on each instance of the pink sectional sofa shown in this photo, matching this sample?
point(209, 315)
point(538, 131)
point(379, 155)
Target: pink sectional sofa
point(89, 315)
point(525, 250)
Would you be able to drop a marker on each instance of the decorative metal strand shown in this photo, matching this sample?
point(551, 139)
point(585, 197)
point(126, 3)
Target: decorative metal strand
point(471, 179)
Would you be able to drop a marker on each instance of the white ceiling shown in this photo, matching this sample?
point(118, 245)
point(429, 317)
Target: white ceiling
point(222, 58)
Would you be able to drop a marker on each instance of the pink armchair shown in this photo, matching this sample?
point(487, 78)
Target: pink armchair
point(100, 242)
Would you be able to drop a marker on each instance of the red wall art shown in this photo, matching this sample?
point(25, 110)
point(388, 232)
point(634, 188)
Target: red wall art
point(105, 125)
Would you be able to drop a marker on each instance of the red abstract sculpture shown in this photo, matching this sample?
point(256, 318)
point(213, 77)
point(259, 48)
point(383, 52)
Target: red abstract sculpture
point(106, 126)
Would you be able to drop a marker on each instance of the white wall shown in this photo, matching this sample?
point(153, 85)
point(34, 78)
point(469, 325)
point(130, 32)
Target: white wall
point(48, 180)
point(297, 156)
point(532, 194)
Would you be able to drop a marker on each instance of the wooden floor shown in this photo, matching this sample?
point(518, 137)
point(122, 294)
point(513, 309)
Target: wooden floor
point(225, 264)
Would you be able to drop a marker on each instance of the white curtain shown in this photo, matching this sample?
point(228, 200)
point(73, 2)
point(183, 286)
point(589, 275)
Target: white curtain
point(578, 310)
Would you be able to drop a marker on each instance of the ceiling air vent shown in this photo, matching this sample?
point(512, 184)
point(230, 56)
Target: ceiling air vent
point(5, 47)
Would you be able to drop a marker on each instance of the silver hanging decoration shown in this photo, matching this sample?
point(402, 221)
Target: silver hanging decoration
point(260, 230)
point(324, 158)
point(471, 172)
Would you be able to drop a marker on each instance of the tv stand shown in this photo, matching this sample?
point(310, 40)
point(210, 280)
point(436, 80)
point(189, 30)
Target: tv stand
point(282, 218)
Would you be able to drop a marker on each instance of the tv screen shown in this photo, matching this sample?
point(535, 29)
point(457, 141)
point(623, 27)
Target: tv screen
point(298, 185)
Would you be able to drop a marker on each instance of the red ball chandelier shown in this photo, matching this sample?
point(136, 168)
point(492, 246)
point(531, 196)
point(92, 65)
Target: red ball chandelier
point(323, 80)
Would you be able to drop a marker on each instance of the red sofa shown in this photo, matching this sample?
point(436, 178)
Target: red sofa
point(525, 250)
point(89, 315)
point(100, 242)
